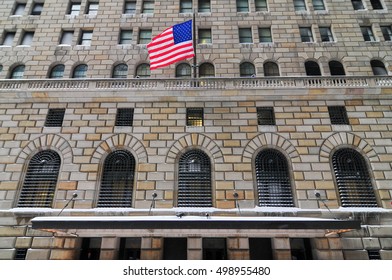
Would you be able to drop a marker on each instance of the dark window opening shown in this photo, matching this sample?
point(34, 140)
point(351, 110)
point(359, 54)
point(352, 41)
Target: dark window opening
point(124, 117)
point(338, 115)
point(376, 4)
point(130, 248)
point(312, 68)
point(336, 68)
point(91, 248)
point(175, 249)
point(301, 249)
point(194, 117)
point(55, 118)
point(378, 68)
point(374, 254)
point(20, 254)
point(214, 249)
point(260, 249)
point(265, 116)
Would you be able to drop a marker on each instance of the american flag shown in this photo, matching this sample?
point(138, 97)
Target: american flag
point(172, 45)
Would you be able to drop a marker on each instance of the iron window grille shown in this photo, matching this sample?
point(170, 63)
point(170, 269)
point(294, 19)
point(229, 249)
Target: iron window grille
point(20, 254)
point(124, 117)
point(353, 179)
point(194, 180)
point(273, 179)
point(194, 116)
point(55, 118)
point(374, 254)
point(117, 180)
point(338, 115)
point(265, 116)
point(41, 179)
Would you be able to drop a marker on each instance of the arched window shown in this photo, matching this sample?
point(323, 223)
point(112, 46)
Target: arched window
point(120, 71)
point(57, 72)
point(378, 68)
point(273, 179)
point(271, 69)
point(194, 180)
point(80, 71)
point(206, 70)
point(312, 68)
point(336, 68)
point(353, 179)
point(17, 72)
point(41, 179)
point(117, 180)
point(143, 71)
point(183, 70)
point(247, 69)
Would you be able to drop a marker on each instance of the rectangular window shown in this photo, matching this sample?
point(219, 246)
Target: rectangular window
point(306, 34)
point(66, 37)
point(242, 6)
point(265, 35)
point(374, 254)
point(326, 34)
point(55, 118)
point(37, 9)
point(130, 7)
point(205, 36)
point(19, 9)
point(260, 249)
point(194, 116)
point(186, 6)
point(27, 38)
point(301, 249)
point(175, 248)
point(265, 116)
point(214, 249)
point(144, 37)
point(318, 5)
point(386, 32)
point(261, 5)
point(86, 37)
point(92, 8)
point(367, 33)
point(376, 4)
point(148, 7)
point(20, 254)
point(245, 35)
point(338, 115)
point(74, 8)
point(299, 5)
point(204, 6)
point(358, 5)
point(125, 37)
point(130, 248)
point(91, 248)
point(124, 117)
point(8, 38)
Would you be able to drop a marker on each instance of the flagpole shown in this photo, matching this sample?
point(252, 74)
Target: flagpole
point(194, 44)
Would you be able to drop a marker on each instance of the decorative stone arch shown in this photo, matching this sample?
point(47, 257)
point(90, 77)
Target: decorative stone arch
point(48, 141)
point(194, 140)
point(346, 139)
point(120, 141)
point(271, 140)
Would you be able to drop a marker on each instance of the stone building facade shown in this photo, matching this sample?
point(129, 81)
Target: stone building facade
point(50, 39)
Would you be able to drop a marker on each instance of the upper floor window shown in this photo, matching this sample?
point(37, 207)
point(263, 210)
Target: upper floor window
point(247, 69)
point(271, 69)
point(92, 8)
point(74, 8)
point(80, 71)
point(8, 38)
point(265, 116)
point(66, 37)
point(386, 32)
point(148, 7)
point(17, 72)
point(245, 35)
point(130, 7)
point(55, 117)
point(206, 70)
point(194, 180)
point(326, 34)
point(338, 115)
point(86, 37)
point(204, 6)
point(19, 9)
point(205, 36)
point(57, 72)
point(306, 34)
point(261, 5)
point(37, 9)
point(378, 68)
point(186, 6)
point(265, 35)
point(352, 178)
point(194, 116)
point(40, 180)
point(242, 6)
point(125, 37)
point(368, 34)
point(336, 68)
point(117, 180)
point(120, 71)
point(183, 70)
point(358, 4)
point(124, 117)
point(299, 5)
point(143, 71)
point(27, 38)
point(273, 179)
point(145, 36)
point(376, 4)
point(318, 5)
point(312, 68)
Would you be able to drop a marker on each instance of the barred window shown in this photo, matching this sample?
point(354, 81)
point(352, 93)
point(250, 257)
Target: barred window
point(265, 116)
point(273, 179)
point(353, 179)
point(41, 179)
point(194, 117)
point(55, 117)
point(194, 180)
point(20, 253)
point(124, 117)
point(117, 180)
point(338, 115)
